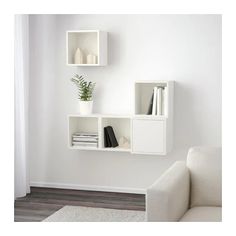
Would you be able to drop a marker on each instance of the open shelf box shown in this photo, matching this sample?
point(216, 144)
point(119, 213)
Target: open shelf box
point(82, 124)
point(90, 42)
point(121, 127)
point(143, 95)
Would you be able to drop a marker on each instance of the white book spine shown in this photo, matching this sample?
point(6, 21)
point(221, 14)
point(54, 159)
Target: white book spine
point(164, 102)
point(154, 104)
point(159, 101)
point(85, 139)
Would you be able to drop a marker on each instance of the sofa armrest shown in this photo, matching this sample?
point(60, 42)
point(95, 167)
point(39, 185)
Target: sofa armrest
point(168, 198)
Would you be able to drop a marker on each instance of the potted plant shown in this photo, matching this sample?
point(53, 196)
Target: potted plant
point(85, 92)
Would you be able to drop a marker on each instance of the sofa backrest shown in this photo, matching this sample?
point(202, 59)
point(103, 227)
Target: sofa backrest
point(205, 165)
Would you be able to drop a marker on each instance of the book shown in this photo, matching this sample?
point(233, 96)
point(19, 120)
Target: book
point(107, 142)
point(85, 142)
point(84, 139)
point(82, 144)
point(112, 136)
point(149, 112)
point(154, 104)
point(164, 101)
point(83, 134)
point(159, 100)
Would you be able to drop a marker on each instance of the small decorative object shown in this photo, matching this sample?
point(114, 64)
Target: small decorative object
point(91, 59)
point(79, 56)
point(85, 92)
point(124, 142)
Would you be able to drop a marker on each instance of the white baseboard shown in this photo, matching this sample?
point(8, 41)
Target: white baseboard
point(88, 187)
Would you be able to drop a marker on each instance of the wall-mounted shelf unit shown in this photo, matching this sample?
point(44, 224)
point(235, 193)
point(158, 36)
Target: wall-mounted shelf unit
point(90, 42)
point(147, 134)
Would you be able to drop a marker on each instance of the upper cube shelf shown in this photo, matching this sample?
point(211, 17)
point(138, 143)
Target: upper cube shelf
point(145, 94)
point(86, 48)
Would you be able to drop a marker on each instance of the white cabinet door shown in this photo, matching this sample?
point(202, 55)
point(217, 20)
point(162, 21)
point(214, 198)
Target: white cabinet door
point(148, 136)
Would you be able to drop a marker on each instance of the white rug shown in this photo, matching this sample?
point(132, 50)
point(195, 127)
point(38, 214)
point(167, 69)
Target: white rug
point(90, 214)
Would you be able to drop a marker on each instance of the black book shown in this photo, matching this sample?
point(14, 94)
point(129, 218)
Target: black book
point(107, 141)
point(112, 136)
point(150, 105)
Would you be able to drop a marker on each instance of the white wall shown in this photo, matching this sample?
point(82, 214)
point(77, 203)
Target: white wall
point(184, 48)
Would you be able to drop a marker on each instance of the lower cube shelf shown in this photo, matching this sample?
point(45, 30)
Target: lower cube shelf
point(135, 134)
point(121, 127)
point(80, 130)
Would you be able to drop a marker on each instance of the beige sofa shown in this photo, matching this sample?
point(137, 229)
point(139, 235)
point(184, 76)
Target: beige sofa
point(189, 191)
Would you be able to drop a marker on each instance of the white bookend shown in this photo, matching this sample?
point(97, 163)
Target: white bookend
point(159, 101)
point(154, 104)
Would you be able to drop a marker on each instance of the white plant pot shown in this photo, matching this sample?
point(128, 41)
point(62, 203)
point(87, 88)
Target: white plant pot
point(85, 107)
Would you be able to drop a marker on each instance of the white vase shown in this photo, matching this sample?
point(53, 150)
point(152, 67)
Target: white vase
point(85, 107)
point(79, 56)
point(91, 59)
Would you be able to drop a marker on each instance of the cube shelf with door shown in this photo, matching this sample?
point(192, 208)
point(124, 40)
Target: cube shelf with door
point(93, 42)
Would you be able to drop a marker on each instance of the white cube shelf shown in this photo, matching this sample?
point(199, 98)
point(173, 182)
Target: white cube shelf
point(90, 42)
point(143, 93)
point(84, 124)
point(121, 127)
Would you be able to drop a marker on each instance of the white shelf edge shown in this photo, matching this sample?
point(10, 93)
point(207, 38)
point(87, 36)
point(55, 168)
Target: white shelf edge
point(118, 149)
point(153, 81)
point(162, 154)
point(150, 117)
point(83, 31)
point(101, 116)
point(104, 116)
point(84, 148)
point(84, 64)
point(79, 115)
point(116, 116)
point(101, 149)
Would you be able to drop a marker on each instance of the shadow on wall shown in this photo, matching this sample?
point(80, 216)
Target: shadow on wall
point(114, 52)
point(187, 130)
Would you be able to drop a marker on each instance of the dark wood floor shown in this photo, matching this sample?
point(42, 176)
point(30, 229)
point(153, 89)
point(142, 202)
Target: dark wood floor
point(42, 202)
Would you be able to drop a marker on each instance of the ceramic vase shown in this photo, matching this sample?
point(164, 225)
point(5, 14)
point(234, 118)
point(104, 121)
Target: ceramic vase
point(79, 56)
point(91, 59)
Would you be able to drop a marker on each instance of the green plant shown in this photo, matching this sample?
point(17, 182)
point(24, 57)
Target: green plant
point(85, 89)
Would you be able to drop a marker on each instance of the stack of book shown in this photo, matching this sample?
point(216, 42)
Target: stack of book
point(85, 139)
point(109, 137)
point(157, 105)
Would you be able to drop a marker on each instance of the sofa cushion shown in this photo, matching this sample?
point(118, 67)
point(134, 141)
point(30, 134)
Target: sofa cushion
point(204, 164)
point(203, 214)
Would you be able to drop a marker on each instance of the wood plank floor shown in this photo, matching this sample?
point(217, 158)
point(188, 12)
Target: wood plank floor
point(42, 202)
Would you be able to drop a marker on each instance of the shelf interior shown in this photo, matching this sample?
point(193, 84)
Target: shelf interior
point(86, 41)
point(143, 95)
point(82, 124)
point(121, 127)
